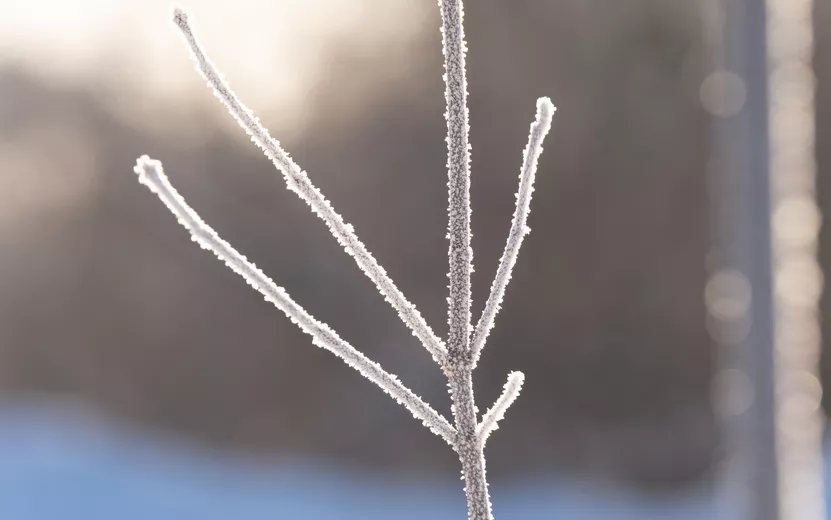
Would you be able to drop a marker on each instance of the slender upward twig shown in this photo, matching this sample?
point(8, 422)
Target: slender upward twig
point(460, 356)
point(152, 175)
point(539, 129)
point(299, 182)
point(497, 411)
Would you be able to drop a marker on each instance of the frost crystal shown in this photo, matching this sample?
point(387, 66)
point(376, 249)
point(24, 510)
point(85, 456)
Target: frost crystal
point(299, 182)
point(459, 358)
point(497, 412)
point(539, 129)
point(152, 175)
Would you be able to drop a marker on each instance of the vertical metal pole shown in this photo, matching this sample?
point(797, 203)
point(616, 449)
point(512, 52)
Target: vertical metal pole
point(739, 293)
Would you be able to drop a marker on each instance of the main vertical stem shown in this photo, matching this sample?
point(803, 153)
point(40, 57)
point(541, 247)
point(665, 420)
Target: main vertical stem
point(458, 363)
point(468, 445)
point(458, 172)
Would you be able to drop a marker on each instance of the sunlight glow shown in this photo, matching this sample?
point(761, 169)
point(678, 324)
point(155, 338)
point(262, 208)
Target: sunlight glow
point(271, 50)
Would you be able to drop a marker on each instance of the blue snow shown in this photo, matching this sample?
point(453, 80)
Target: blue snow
point(60, 465)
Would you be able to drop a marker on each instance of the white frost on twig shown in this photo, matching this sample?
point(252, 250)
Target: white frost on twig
point(464, 343)
point(533, 150)
point(497, 412)
point(152, 175)
point(460, 254)
point(299, 182)
point(459, 368)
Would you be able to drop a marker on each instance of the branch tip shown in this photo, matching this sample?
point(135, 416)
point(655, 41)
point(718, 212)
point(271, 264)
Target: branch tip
point(180, 18)
point(545, 108)
point(509, 394)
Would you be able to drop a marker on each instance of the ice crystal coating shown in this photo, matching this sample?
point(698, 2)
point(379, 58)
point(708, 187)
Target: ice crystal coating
point(152, 175)
point(458, 170)
point(533, 150)
point(299, 182)
point(497, 412)
point(459, 358)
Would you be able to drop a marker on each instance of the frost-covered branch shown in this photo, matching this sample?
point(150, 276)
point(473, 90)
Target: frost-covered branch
point(459, 369)
point(152, 175)
point(497, 412)
point(464, 343)
point(533, 150)
point(458, 171)
point(299, 182)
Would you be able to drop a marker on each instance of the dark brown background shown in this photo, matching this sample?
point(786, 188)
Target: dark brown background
point(109, 301)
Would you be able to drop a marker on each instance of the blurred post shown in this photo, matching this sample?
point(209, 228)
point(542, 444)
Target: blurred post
point(797, 274)
point(763, 269)
point(739, 293)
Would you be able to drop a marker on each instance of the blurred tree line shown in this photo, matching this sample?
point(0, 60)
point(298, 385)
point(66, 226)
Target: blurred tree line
point(105, 299)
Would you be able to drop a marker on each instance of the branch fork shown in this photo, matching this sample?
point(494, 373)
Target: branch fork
point(460, 355)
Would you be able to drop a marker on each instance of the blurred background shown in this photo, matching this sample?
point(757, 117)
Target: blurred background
point(139, 376)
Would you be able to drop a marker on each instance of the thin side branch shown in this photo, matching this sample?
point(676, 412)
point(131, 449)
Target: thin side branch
point(497, 412)
point(151, 174)
point(533, 150)
point(299, 182)
point(458, 169)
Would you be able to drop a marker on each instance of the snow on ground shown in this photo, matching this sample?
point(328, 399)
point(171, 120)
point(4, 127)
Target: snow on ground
point(58, 465)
